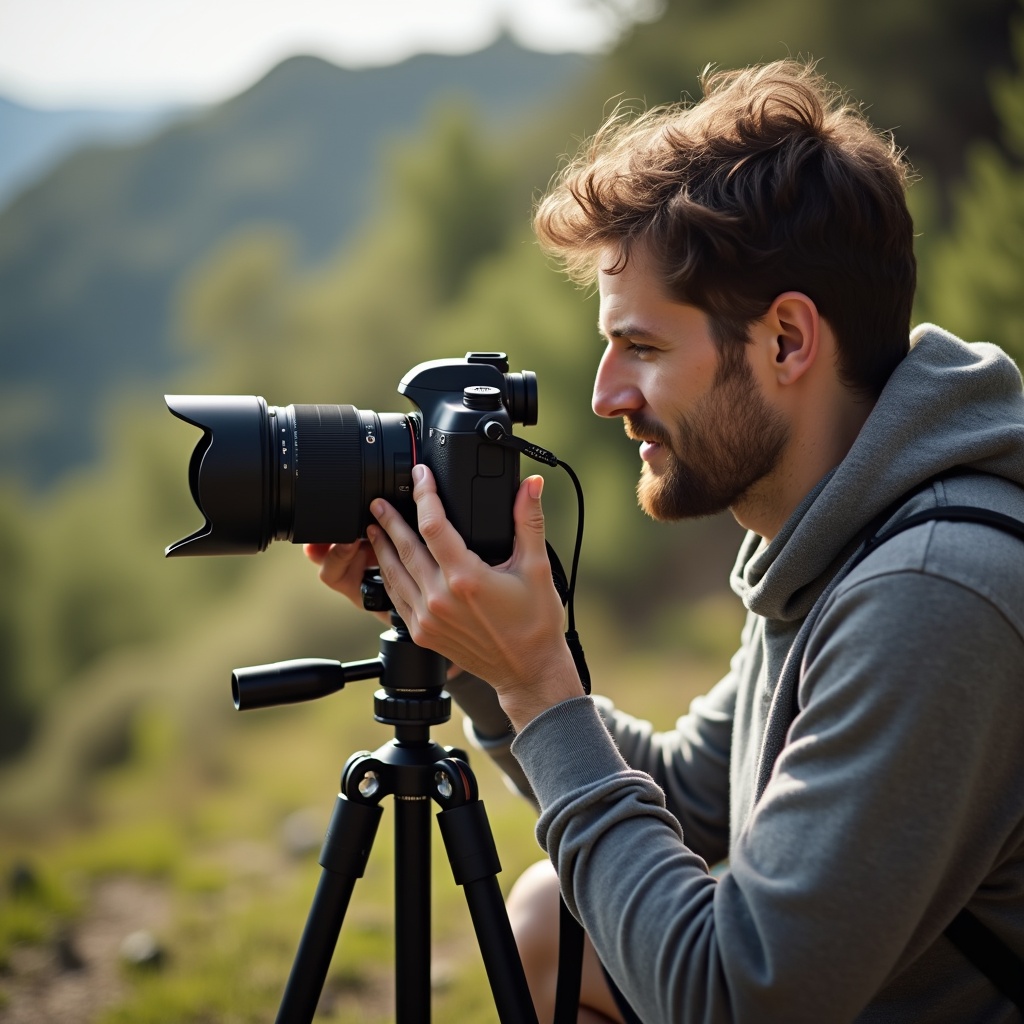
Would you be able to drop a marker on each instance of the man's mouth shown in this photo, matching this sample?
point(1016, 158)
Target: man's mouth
point(648, 449)
point(651, 439)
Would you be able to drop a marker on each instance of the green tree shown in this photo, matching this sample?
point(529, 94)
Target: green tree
point(922, 67)
point(971, 278)
point(455, 192)
point(17, 712)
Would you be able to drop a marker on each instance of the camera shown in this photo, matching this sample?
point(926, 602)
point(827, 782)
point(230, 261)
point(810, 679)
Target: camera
point(307, 473)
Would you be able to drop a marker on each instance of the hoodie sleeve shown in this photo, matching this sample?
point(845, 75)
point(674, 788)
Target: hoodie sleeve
point(898, 790)
point(689, 763)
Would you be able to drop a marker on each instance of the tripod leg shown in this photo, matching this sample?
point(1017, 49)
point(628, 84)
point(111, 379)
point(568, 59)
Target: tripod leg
point(412, 910)
point(344, 855)
point(475, 865)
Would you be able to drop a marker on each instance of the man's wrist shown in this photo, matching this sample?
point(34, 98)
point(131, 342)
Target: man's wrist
point(479, 703)
point(559, 683)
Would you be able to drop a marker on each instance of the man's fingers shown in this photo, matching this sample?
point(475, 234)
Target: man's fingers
point(403, 538)
point(316, 553)
point(341, 565)
point(441, 538)
point(528, 515)
point(400, 555)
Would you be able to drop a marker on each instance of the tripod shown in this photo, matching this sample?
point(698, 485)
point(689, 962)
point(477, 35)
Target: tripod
point(414, 770)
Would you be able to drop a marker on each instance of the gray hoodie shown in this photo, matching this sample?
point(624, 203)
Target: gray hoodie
point(856, 830)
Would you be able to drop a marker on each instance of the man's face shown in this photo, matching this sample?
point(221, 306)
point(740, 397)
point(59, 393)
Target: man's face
point(707, 433)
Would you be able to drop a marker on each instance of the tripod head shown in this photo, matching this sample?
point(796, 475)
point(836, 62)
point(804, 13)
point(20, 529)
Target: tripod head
point(412, 677)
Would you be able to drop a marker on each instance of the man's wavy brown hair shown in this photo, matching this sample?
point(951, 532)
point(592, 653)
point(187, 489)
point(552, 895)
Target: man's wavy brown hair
point(772, 182)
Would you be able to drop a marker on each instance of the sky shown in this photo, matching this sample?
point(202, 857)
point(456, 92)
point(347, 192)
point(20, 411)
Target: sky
point(124, 53)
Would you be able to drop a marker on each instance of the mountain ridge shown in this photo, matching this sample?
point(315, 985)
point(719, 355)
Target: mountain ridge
point(91, 254)
point(35, 139)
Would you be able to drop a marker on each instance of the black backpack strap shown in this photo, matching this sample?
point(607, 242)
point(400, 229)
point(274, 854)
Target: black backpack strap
point(981, 946)
point(955, 513)
point(627, 1012)
point(989, 954)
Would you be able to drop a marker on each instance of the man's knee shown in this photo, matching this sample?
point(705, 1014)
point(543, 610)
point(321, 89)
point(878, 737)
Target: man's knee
point(533, 910)
point(534, 907)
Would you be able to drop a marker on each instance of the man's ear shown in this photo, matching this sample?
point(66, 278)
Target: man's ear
point(792, 328)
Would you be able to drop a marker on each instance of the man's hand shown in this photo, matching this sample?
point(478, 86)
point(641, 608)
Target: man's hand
point(342, 567)
point(502, 623)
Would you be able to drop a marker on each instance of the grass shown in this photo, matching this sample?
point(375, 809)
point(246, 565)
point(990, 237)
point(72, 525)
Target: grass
point(36, 905)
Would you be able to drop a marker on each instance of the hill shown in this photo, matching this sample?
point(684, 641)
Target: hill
point(92, 254)
point(36, 140)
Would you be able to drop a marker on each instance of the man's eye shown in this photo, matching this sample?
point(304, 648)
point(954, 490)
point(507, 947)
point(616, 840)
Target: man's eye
point(639, 350)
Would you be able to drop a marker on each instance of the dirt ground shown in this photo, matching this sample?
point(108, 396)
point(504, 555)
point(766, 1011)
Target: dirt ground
point(72, 980)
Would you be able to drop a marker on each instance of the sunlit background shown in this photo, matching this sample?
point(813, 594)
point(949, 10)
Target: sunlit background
point(302, 201)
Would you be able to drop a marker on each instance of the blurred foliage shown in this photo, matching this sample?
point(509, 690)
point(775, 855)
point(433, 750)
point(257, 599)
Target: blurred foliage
point(971, 277)
point(17, 556)
point(114, 662)
point(456, 196)
point(923, 68)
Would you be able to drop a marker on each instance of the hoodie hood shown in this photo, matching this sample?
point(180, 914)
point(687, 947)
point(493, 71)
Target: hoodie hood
point(949, 405)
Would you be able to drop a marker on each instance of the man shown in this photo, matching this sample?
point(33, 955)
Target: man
point(861, 767)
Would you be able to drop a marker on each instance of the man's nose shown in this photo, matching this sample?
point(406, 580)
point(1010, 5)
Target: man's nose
point(615, 394)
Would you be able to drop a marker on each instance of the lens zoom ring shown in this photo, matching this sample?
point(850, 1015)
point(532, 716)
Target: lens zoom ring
point(328, 486)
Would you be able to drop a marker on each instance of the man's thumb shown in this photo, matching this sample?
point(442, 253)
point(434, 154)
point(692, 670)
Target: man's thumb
point(528, 513)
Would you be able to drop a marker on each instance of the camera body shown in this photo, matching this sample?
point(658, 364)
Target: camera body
point(307, 473)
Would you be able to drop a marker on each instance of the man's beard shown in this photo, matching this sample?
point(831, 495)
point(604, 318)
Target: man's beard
point(715, 454)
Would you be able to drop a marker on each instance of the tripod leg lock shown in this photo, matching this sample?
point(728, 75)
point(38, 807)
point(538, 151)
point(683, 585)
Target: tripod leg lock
point(349, 837)
point(366, 779)
point(454, 783)
point(469, 843)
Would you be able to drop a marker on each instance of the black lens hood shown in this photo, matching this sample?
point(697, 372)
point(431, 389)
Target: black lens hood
point(228, 475)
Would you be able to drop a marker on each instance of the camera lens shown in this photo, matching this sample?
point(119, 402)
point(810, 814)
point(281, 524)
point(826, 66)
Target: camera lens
point(344, 457)
point(303, 473)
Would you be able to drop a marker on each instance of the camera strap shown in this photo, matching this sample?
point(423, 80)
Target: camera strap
point(494, 432)
point(570, 966)
point(570, 931)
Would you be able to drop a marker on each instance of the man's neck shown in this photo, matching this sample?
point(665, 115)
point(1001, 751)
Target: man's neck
point(818, 443)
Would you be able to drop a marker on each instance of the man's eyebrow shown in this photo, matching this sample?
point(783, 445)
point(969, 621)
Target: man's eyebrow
point(626, 330)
